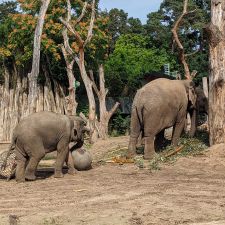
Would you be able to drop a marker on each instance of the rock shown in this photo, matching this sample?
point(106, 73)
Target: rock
point(82, 159)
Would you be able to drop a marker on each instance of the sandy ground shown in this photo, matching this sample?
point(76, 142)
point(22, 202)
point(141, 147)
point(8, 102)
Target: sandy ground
point(189, 192)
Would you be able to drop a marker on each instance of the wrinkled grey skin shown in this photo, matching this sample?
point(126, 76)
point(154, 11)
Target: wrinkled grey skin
point(41, 133)
point(201, 108)
point(158, 105)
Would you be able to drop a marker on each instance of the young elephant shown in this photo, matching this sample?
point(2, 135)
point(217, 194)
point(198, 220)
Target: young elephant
point(44, 132)
point(158, 105)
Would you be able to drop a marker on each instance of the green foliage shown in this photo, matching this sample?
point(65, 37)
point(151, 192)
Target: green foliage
point(159, 26)
point(6, 8)
point(191, 147)
point(119, 125)
point(132, 58)
point(119, 24)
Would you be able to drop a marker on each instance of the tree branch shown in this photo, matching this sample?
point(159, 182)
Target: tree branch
point(190, 54)
point(82, 14)
point(90, 30)
point(102, 79)
point(114, 108)
point(93, 83)
point(182, 56)
point(74, 32)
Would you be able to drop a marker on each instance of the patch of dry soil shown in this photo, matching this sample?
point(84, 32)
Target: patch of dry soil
point(189, 192)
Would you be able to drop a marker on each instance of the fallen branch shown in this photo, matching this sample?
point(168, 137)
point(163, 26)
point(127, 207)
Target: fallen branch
point(80, 190)
point(120, 160)
point(175, 152)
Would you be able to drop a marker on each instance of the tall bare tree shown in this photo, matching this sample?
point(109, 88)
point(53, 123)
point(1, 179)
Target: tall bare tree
point(182, 55)
point(80, 56)
point(33, 75)
point(216, 35)
point(105, 115)
point(70, 60)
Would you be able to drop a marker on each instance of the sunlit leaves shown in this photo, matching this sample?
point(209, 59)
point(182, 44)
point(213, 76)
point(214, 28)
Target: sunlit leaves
point(131, 59)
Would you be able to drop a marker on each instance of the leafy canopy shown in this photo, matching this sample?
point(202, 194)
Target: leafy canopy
point(131, 59)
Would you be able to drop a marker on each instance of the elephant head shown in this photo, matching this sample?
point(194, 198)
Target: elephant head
point(78, 129)
point(191, 94)
point(197, 104)
point(202, 101)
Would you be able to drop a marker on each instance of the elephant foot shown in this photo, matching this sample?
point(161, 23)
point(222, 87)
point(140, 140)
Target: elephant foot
point(71, 171)
point(58, 175)
point(30, 177)
point(20, 180)
point(149, 156)
point(130, 154)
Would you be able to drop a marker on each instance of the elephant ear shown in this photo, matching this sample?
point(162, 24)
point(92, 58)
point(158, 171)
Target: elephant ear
point(190, 90)
point(192, 96)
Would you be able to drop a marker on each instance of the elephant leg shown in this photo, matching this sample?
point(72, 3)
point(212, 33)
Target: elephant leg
point(70, 163)
point(132, 147)
point(159, 140)
point(35, 158)
point(62, 151)
point(20, 167)
point(135, 130)
point(193, 116)
point(177, 130)
point(149, 151)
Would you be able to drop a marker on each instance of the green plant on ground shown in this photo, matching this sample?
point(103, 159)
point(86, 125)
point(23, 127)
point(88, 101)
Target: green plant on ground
point(191, 147)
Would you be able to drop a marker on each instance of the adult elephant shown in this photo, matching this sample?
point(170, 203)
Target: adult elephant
point(158, 105)
point(41, 133)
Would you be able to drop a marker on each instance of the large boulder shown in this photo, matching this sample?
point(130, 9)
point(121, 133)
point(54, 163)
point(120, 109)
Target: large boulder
point(82, 159)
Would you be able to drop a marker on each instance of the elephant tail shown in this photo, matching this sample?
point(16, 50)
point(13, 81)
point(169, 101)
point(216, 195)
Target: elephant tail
point(11, 148)
point(139, 113)
point(139, 110)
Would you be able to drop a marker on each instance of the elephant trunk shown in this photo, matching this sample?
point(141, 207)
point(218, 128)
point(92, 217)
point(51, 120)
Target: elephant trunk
point(193, 114)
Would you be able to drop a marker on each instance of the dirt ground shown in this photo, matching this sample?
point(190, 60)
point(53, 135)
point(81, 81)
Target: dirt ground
point(191, 191)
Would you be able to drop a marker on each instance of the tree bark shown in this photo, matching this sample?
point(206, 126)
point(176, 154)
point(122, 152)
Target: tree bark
point(71, 98)
point(105, 115)
point(182, 55)
point(205, 86)
point(33, 87)
point(14, 99)
point(216, 35)
point(69, 58)
point(80, 58)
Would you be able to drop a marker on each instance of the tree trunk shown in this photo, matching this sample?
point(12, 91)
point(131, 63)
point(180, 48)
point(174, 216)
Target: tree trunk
point(182, 55)
point(33, 87)
point(101, 92)
point(91, 99)
point(216, 35)
point(80, 60)
point(71, 98)
point(205, 87)
point(104, 114)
